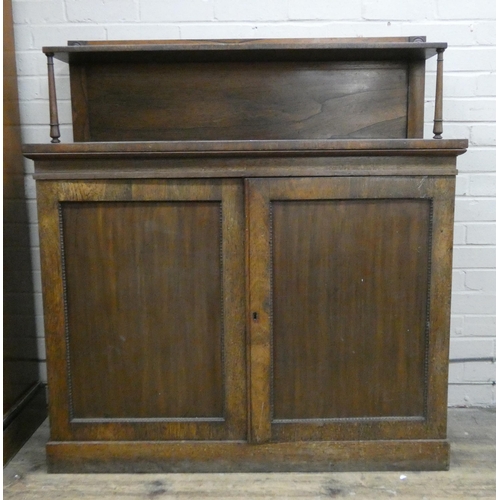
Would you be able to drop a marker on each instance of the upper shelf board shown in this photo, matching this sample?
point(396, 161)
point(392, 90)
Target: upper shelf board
point(402, 48)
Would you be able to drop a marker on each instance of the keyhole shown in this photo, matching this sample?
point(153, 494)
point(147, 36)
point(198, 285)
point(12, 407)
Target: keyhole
point(255, 316)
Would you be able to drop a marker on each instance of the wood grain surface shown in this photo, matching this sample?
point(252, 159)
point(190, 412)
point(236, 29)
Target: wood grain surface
point(273, 148)
point(294, 49)
point(350, 287)
point(144, 315)
point(220, 101)
point(143, 284)
point(316, 456)
point(317, 257)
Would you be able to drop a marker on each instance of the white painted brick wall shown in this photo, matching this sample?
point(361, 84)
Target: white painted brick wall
point(486, 85)
point(469, 257)
point(474, 209)
point(472, 348)
point(459, 235)
point(462, 184)
point(478, 160)
point(256, 10)
point(482, 185)
point(86, 12)
point(464, 9)
point(157, 12)
point(323, 9)
point(482, 233)
point(475, 324)
point(469, 112)
point(480, 280)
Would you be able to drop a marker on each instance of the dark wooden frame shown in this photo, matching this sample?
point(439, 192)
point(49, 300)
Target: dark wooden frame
point(261, 193)
point(64, 426)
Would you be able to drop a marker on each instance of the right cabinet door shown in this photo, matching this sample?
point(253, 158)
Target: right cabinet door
point(349, 303)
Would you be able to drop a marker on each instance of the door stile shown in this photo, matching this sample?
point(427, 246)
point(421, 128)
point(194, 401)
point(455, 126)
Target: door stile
point(233, 296)
point(259, 316)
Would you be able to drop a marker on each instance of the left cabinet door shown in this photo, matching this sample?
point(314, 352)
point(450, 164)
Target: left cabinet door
point(144, 302)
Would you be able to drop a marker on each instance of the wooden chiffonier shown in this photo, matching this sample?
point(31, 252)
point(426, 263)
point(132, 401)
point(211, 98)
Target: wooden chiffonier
point(246, 257)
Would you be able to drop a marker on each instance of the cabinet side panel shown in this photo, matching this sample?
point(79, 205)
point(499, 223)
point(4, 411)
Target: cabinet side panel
point(144, 307)
point(350, 288)
point(416, 99)
point(79, 103)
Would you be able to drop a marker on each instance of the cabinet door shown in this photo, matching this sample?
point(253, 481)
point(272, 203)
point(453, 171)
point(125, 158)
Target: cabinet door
point(349, 282)
point(144, 288)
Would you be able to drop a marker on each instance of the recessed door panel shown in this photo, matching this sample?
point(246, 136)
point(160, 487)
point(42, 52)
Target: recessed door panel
point(350, 281)
point(144, 309)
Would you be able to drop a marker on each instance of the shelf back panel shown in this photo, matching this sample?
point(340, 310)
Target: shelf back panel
point(240, 100)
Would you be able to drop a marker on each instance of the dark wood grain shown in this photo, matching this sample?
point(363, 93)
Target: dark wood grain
point(79, 103)
point(416, 95)
point(296, 88)
point(250, 101)
point(333, 456)
point(148, 284)
point(297, 49)
point(349, 304)
point(391, 163)
point(234, 306)
point(258, 314)
point(334, 147)
point(53, 309)
point(313, 281)
point(143, 285)
point(250, 167)
point(438, 109)
point(228, 43)
point(440, 300)
point(54, 118)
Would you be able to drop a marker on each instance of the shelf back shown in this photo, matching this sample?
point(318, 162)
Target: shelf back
point(246, 100)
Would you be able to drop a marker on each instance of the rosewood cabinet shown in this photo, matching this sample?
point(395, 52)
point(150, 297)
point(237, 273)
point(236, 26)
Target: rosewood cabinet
point(234, 278)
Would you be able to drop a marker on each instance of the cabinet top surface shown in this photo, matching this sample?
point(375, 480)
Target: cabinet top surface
point(391, 147)
point(369, 48)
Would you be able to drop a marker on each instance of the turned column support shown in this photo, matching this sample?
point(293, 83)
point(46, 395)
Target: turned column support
point(54, 119)
point(438, 109)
